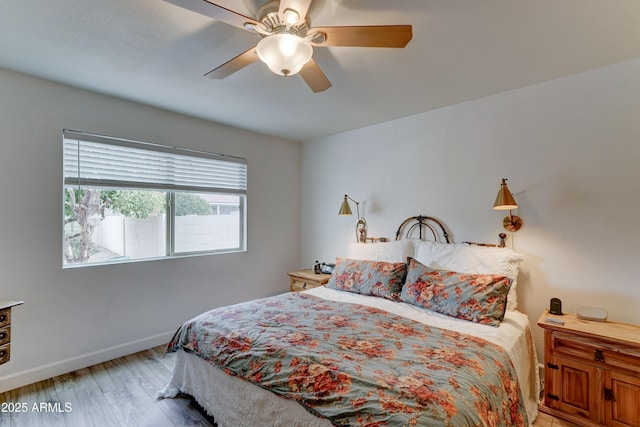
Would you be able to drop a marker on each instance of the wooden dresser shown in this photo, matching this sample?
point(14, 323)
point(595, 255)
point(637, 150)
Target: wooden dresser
point(306, 279)
point(592, 371)
point(5, 329)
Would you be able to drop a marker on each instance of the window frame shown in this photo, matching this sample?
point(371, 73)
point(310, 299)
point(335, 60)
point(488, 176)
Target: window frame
point(228, 175)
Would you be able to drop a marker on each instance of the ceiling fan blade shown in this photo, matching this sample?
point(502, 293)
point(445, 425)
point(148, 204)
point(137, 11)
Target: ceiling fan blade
point(314, 77)
point(300, 6)
point(239, 62)
point(365, 36)
point(212, 10)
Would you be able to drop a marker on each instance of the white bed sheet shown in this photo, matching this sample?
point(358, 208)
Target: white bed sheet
point(234, 402)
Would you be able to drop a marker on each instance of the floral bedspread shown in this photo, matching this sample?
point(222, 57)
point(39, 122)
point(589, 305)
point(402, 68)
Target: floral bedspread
point(358, 366)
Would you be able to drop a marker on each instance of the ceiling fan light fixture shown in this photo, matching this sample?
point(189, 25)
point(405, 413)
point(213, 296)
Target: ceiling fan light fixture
point(285, 54)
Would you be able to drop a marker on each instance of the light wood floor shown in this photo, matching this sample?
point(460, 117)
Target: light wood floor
point(119, 393)
point(546, 420)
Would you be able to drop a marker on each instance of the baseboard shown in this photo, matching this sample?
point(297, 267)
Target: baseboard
point(30, 376)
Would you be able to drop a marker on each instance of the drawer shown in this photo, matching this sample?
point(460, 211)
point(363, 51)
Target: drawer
point(306, 279)
point(595, 351)
point(5, 316)
point(5, 352)
point(5, 335)
point(299, 285)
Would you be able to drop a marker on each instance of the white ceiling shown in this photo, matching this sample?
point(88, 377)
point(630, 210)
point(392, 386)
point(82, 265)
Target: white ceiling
point(157, 53)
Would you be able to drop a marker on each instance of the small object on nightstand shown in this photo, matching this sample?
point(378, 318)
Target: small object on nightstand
point(595, 314)
point(327, 268)
point(317, 268)
point(306, 279)
point(554, 321)
point(555, 306)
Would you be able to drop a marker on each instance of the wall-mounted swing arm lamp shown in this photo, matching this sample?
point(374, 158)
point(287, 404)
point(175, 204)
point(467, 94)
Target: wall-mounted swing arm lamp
point(361, 224)
point(505, 201)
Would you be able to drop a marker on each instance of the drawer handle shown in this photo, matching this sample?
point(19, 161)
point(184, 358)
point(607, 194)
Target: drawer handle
point(3, 317)
point(608, 395)
point(3, 335)
point(598, 356)
point(3, 353)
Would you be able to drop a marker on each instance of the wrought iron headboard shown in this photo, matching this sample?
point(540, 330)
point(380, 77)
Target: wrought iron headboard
point(437, 230)
point(423, 223)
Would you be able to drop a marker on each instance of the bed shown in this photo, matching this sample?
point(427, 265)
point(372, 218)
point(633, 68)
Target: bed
point(409, 332)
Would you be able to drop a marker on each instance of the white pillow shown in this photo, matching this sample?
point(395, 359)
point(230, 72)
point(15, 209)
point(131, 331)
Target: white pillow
point(394, 251)
point(464, 258)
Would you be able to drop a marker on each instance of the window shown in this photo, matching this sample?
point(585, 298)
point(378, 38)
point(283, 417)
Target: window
point(128, 201)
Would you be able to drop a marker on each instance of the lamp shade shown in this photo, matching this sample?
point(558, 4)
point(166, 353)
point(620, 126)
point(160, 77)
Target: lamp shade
point(285, 54)
point(504, 199)
point(345, 209)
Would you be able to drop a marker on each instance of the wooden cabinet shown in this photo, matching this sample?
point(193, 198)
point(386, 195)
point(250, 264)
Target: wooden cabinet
point(5, 329)
point(625, 389)
point(306, 279)
point(592, 371)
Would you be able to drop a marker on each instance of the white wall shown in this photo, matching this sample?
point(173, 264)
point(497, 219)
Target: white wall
point(570, 148)
point(571, 151)
point(76, 317)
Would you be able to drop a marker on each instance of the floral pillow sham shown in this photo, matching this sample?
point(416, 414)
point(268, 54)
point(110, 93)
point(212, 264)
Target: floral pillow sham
point(375, 278)
point(479, 298)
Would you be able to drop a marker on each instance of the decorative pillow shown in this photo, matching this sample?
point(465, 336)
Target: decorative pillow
point(393, 251)
point(479, 298)
point(376, 278)
point(473, 259)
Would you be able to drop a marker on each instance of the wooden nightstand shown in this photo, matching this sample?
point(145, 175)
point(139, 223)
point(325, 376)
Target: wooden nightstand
point(5, 329)
point(591, 371)
point(306, 279)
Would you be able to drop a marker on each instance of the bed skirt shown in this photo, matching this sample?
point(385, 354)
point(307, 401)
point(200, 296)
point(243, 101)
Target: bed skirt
point(217, 392)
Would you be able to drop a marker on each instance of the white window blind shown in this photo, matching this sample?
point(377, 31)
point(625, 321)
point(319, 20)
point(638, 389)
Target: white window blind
point(101, 161)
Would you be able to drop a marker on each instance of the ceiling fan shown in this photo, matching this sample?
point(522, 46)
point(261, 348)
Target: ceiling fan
point(288, 39)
